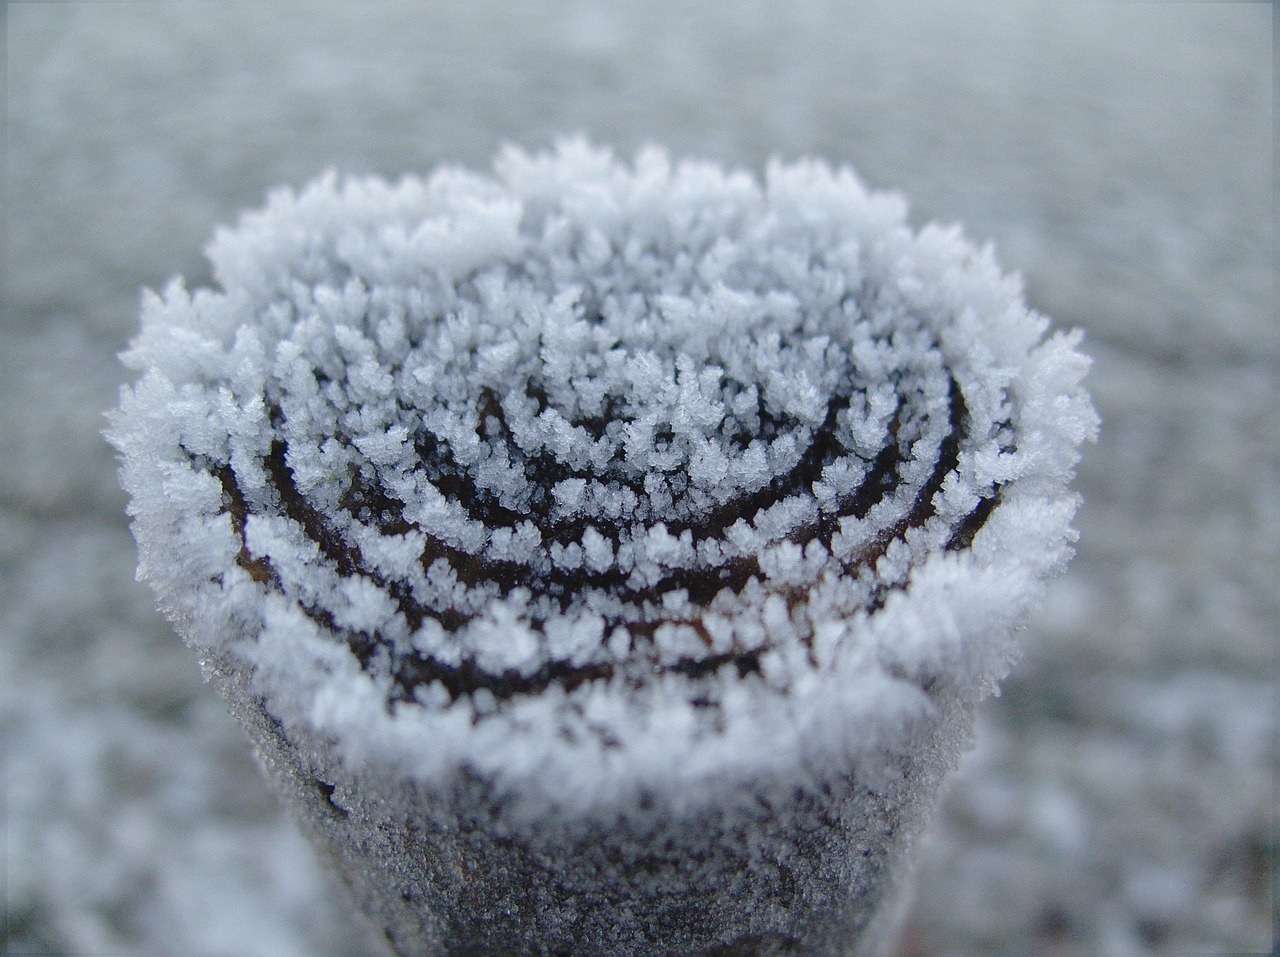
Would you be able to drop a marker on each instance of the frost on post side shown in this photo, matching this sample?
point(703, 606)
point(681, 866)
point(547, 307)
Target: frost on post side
point(589, 474)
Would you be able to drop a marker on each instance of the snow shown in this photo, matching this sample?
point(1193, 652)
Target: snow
point(1117, 156)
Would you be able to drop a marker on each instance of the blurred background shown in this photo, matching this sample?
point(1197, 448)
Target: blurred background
point(1120, 799)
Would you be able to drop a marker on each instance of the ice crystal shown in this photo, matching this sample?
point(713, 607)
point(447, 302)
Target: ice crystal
point(584, 458)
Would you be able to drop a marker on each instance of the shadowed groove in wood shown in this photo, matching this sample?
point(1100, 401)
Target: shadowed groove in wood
point(367, 502)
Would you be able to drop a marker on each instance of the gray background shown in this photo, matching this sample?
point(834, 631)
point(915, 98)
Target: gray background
point(1119, 155)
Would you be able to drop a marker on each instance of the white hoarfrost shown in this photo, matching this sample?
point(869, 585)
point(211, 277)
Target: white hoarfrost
point(587, 474)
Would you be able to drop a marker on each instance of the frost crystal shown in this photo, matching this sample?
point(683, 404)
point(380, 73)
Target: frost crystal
point(584, 459)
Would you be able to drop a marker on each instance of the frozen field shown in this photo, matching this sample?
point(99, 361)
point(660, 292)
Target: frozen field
point(1120, 799)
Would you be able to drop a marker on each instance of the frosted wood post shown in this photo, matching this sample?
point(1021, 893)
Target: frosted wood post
point(604, 559)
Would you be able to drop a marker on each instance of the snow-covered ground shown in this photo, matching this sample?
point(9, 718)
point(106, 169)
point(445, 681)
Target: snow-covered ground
point(1121, 796)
